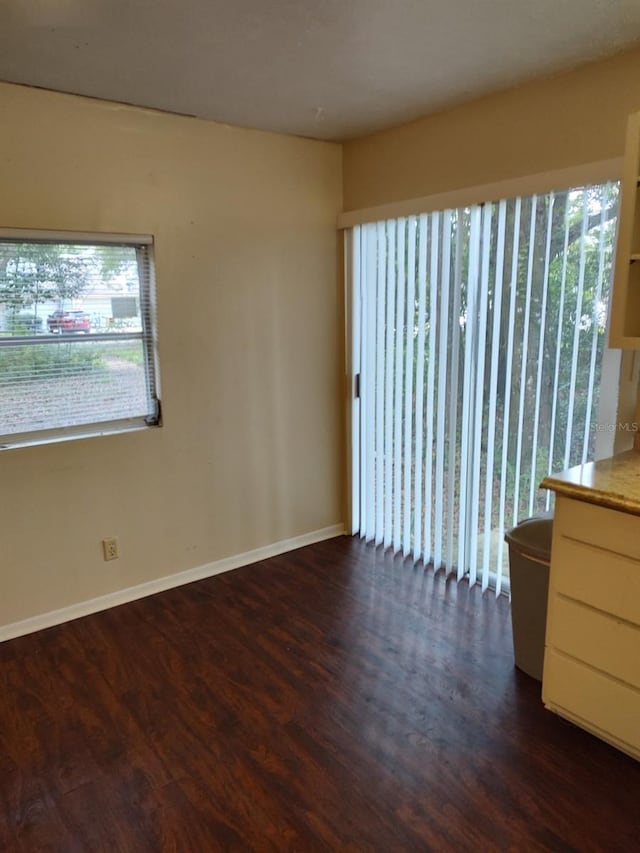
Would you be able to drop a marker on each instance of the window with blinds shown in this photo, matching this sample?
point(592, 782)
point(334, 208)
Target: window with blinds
point(77, 336)
point(478, 341)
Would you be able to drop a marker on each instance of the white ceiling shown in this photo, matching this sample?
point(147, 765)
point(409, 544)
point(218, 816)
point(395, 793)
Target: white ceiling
point(330, 69)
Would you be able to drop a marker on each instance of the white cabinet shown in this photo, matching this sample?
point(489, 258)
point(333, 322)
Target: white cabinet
point(592, 657)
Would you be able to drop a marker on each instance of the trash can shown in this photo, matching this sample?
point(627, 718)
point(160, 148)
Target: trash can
point(529, 558)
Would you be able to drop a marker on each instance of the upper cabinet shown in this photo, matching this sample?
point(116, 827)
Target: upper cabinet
point(624, 331)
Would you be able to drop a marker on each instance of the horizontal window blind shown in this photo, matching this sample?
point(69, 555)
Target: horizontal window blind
point(77, 338)
point(480, 338)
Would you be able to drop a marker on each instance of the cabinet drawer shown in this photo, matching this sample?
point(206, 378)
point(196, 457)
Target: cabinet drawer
point(595, 700)
point(596, 525)
point(595, 638)
point(601, 578)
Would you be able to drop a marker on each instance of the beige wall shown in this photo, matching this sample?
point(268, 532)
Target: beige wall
point(250, 347)
point(550, 124)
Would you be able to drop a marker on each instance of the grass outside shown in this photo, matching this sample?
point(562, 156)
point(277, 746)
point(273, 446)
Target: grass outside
point(47, 386)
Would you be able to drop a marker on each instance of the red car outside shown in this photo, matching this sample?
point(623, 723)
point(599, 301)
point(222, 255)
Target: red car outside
point(65, 322)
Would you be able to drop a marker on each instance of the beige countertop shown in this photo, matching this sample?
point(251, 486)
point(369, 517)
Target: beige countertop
point(613, 483)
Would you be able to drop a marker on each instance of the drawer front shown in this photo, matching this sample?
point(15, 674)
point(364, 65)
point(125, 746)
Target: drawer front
point(601, 578)
point(597, 639)
point(606, 528)
point(599, 701)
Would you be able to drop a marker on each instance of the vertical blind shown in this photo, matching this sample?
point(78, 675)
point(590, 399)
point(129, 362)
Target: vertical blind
point(478, 340)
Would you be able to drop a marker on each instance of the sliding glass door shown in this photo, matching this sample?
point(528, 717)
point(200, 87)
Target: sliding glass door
point(478, 341)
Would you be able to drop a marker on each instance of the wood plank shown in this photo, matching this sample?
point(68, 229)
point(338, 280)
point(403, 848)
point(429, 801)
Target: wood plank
point(332, 698)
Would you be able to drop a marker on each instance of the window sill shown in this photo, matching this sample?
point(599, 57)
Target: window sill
point(55, 436)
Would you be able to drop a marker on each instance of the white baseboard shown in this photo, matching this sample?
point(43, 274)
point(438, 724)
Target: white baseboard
point(122, 596)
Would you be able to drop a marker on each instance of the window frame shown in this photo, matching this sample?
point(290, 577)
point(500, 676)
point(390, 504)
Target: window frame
point(147, 336)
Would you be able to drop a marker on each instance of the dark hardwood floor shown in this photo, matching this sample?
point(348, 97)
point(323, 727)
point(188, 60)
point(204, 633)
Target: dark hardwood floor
point(328, 699)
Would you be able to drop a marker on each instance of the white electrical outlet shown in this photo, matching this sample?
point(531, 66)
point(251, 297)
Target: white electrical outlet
point(110, 549)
